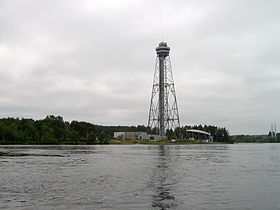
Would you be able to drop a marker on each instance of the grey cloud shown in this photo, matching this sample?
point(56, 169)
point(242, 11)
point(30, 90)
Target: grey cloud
point(94, 60)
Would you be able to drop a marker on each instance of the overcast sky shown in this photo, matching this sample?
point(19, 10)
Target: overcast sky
point(93, 60)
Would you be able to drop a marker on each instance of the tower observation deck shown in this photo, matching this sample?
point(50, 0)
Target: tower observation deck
point(163, 113)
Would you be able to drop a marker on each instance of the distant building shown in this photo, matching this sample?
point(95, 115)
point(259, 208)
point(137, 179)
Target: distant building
point(138, 136)
point(152, 137)
point(119, 134)
point(204, 136)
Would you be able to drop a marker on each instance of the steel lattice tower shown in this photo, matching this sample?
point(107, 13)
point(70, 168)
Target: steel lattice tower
point(163, 112)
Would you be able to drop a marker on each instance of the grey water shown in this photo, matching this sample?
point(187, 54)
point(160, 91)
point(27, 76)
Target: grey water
point(218, 176)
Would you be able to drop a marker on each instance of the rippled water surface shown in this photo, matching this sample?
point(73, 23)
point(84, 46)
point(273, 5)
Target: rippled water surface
point(239, 176)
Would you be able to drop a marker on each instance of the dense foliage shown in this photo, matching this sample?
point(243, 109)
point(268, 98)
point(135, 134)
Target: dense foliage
point(54, 130)
point(257, 138)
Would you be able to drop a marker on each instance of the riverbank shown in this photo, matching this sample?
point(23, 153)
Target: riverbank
point(113, 141)
point(131, 142)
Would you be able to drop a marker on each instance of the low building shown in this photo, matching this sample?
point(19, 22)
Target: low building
point(118, 134)
point(138, 136)
point(204, 136)
point(135, 135)
point(152, 137)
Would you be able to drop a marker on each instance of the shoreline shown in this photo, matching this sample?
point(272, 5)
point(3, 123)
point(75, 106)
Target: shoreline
point(123, 143)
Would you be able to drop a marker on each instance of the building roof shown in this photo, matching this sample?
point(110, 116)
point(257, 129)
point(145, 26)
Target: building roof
point(198, 131)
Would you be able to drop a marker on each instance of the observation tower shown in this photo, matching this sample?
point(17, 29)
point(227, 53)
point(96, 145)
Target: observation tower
point(163, 113)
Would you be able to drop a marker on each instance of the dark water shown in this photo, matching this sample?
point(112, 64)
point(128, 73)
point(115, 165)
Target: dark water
point(241, 176)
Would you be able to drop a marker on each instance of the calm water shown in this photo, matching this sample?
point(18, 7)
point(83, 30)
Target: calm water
point(241, 176)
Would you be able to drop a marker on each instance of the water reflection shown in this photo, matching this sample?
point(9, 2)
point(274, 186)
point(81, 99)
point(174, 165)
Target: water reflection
point(161, 181)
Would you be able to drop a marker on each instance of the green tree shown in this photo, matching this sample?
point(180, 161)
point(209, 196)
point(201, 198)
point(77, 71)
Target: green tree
point(103, 138)
point(75, 137)
point(170, 134)
point(47, 135)
point(92, 139)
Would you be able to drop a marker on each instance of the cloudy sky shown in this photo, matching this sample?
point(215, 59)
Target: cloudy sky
point(93, 60)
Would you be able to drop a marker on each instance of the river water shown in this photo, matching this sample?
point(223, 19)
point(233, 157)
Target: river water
point(218, 176)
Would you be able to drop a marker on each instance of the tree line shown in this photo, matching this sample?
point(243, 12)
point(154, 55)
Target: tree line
point(54, 130)
point(257, 138)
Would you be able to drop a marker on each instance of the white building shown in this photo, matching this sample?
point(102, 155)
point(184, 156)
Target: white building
point(199, 135)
